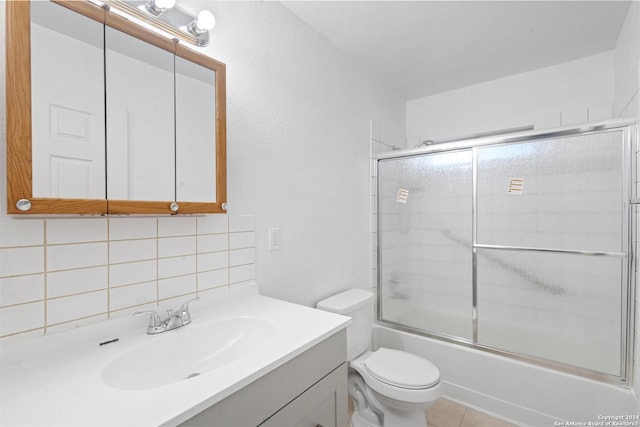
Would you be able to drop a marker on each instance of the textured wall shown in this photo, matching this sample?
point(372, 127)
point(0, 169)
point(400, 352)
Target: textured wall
point(572, 92)
point(299, 117)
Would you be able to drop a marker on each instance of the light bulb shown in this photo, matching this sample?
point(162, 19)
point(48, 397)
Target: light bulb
point(165, 4)
point(206, 21)
point(158, 7)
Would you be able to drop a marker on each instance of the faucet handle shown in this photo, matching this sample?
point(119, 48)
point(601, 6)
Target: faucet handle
point(154, 319)
point(184, 310)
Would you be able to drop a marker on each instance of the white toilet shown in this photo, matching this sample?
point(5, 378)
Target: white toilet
point(389, 388)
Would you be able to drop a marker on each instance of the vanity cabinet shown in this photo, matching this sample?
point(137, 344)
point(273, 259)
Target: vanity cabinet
point(310, 390)
point(105, 116)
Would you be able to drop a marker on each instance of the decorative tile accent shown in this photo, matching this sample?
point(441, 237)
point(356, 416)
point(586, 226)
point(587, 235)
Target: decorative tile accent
point(57, 274)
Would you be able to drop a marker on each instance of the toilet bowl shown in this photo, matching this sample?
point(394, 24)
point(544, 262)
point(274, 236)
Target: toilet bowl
point(389, 387)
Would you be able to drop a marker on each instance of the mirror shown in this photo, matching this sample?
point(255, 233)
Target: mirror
point(67, 93)
point(195, 105)
point(140, 119)
point(163, 128)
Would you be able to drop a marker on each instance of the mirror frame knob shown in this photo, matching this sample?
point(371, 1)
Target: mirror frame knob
point(23, 204)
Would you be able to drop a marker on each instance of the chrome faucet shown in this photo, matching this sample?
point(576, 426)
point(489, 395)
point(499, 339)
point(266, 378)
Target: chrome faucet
point(174, 319)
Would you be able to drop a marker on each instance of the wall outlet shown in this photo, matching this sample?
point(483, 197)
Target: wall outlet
point(274, 239)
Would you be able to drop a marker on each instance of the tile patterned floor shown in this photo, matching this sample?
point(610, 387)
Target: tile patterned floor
point(446, 413)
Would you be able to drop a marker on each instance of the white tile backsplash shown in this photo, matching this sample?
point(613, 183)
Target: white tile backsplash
point(242, 257)
point(133, 272)
point(21, 232)
point(132, 228)
point(212, 224)
point(213, 243)
point(132, 250)
point(80, 255)
point(174, 286)
point(74, 307)
point(242, 273)
point(69, 282)
point(176, 266)
point(242, 240)
point(214, 260)
point(213, 279)
point(23, 317)
point(19, 261)
point(21, 289)
point(176, 226)
point(132, 295)
point(174, 246)
point(76, 231)
point(62, 273)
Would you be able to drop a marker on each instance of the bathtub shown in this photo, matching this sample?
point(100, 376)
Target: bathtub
point(517, 391)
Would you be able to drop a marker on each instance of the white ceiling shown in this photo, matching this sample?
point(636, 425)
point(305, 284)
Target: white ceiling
point(427, 47)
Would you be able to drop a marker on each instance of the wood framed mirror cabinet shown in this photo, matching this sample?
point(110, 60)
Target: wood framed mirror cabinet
point(105, 116)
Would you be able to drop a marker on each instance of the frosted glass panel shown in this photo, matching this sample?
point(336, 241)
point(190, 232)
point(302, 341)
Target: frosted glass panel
point(562, 307)
point(565, 193)
point(425, 207)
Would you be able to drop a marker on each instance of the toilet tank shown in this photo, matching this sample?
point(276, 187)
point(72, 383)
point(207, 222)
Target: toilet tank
point(357, 304)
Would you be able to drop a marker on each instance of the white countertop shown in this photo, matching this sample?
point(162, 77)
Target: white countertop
point(57, 380)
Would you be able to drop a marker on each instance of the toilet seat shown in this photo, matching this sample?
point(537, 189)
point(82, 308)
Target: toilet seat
point(402, 369)
point(400, 393)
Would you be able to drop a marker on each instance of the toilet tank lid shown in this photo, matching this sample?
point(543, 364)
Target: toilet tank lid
point(347, 301)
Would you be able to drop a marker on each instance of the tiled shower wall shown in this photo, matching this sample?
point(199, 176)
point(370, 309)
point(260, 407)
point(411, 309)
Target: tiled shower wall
point(57, 274)
point(382, 139)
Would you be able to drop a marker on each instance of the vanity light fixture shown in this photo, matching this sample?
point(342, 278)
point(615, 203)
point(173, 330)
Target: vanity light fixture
point(200, 27)
point(168, 18)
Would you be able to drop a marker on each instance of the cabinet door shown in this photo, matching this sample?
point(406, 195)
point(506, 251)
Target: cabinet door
point(67, 91)
point(140, 119)
point(321, 405)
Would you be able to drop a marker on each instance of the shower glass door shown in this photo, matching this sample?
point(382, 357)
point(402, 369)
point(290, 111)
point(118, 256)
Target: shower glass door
point(517, 245)
point(550, 258)
point(425, 206)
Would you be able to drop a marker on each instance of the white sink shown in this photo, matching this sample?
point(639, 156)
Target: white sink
point(187, 352)
point(236, 336)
